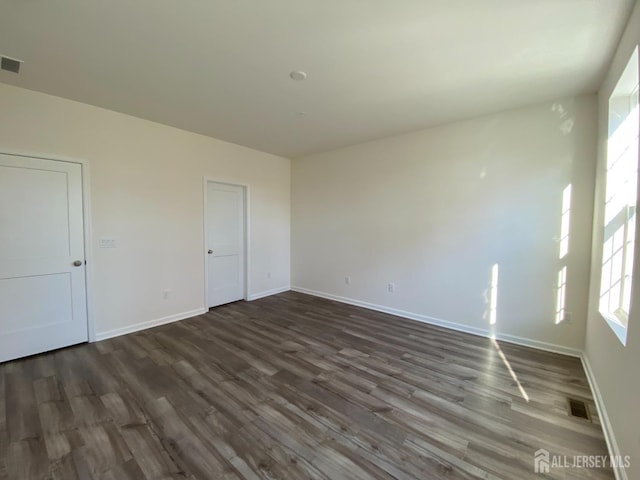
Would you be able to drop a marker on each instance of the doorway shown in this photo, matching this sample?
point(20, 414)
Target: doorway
point(43, 296)
point(225, 242)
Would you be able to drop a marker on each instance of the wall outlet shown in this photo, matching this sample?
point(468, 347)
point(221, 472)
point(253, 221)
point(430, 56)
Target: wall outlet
point(347, 280)
point(391, 288)
point(165, 294)
point(567, 318)
point(268, 274)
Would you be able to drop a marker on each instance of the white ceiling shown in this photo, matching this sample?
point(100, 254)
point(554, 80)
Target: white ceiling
point(376, 67)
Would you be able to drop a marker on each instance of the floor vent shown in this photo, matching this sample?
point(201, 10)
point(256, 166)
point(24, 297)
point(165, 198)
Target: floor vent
point(578, 408)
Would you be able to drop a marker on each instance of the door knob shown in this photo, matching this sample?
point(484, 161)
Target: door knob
point(77, 263)
point(210, 252)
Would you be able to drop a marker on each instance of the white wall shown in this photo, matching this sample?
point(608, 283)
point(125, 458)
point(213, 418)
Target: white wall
point(147, 193)
point(615, 366)
point(432, 211)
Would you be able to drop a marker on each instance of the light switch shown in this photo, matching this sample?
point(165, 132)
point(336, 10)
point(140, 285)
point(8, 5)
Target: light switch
point(107, 243)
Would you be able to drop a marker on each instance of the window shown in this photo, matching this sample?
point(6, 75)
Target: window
point(621, 195)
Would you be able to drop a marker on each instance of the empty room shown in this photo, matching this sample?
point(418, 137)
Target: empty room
point(305, 239)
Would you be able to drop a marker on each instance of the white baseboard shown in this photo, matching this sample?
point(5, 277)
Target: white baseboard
point(116, 332)
point(136, 327)
point(537, 344)
point(609, 436)
point(268, 293)
point(549, 347)
point(612, 444)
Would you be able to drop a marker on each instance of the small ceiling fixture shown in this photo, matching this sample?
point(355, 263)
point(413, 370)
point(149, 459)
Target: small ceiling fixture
point(298, 75)
point(10, 64)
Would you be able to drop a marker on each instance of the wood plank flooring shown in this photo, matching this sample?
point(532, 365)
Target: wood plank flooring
point(293, 387)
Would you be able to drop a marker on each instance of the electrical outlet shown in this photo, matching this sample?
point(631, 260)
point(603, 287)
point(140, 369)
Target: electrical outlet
point(347, 280)
point(268, 274)
point(391, 288)
point(567, 318)
point(165, 294)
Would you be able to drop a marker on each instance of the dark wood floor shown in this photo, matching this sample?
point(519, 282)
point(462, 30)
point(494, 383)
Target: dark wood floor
point(292, 387)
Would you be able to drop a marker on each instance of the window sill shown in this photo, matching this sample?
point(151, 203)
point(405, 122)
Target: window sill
point(617, 327)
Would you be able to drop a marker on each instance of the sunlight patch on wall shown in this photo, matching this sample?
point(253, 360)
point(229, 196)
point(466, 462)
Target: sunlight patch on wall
point(565, 222)
point(493, 295)
point(563, 252)
point(560, 295)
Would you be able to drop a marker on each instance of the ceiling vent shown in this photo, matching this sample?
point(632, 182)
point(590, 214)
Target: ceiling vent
point(10, 64)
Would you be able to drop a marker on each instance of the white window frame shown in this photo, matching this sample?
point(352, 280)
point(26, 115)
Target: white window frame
point(619, 225)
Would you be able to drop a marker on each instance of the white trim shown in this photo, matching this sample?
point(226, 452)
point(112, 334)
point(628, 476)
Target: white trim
point(612, 445)
point(247, 237)
point(549, 347)
point(537, 344)
point(136, 327)
point(87, 227)
point(609, 436)
point(268, 293)
point(247, 233)
point(88, 251)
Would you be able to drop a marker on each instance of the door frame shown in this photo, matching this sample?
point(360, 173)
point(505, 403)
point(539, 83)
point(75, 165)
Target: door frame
point(245, 241)
point(87, 224)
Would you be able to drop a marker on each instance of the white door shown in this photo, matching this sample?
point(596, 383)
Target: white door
point(42, 291)
point(225, 243)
